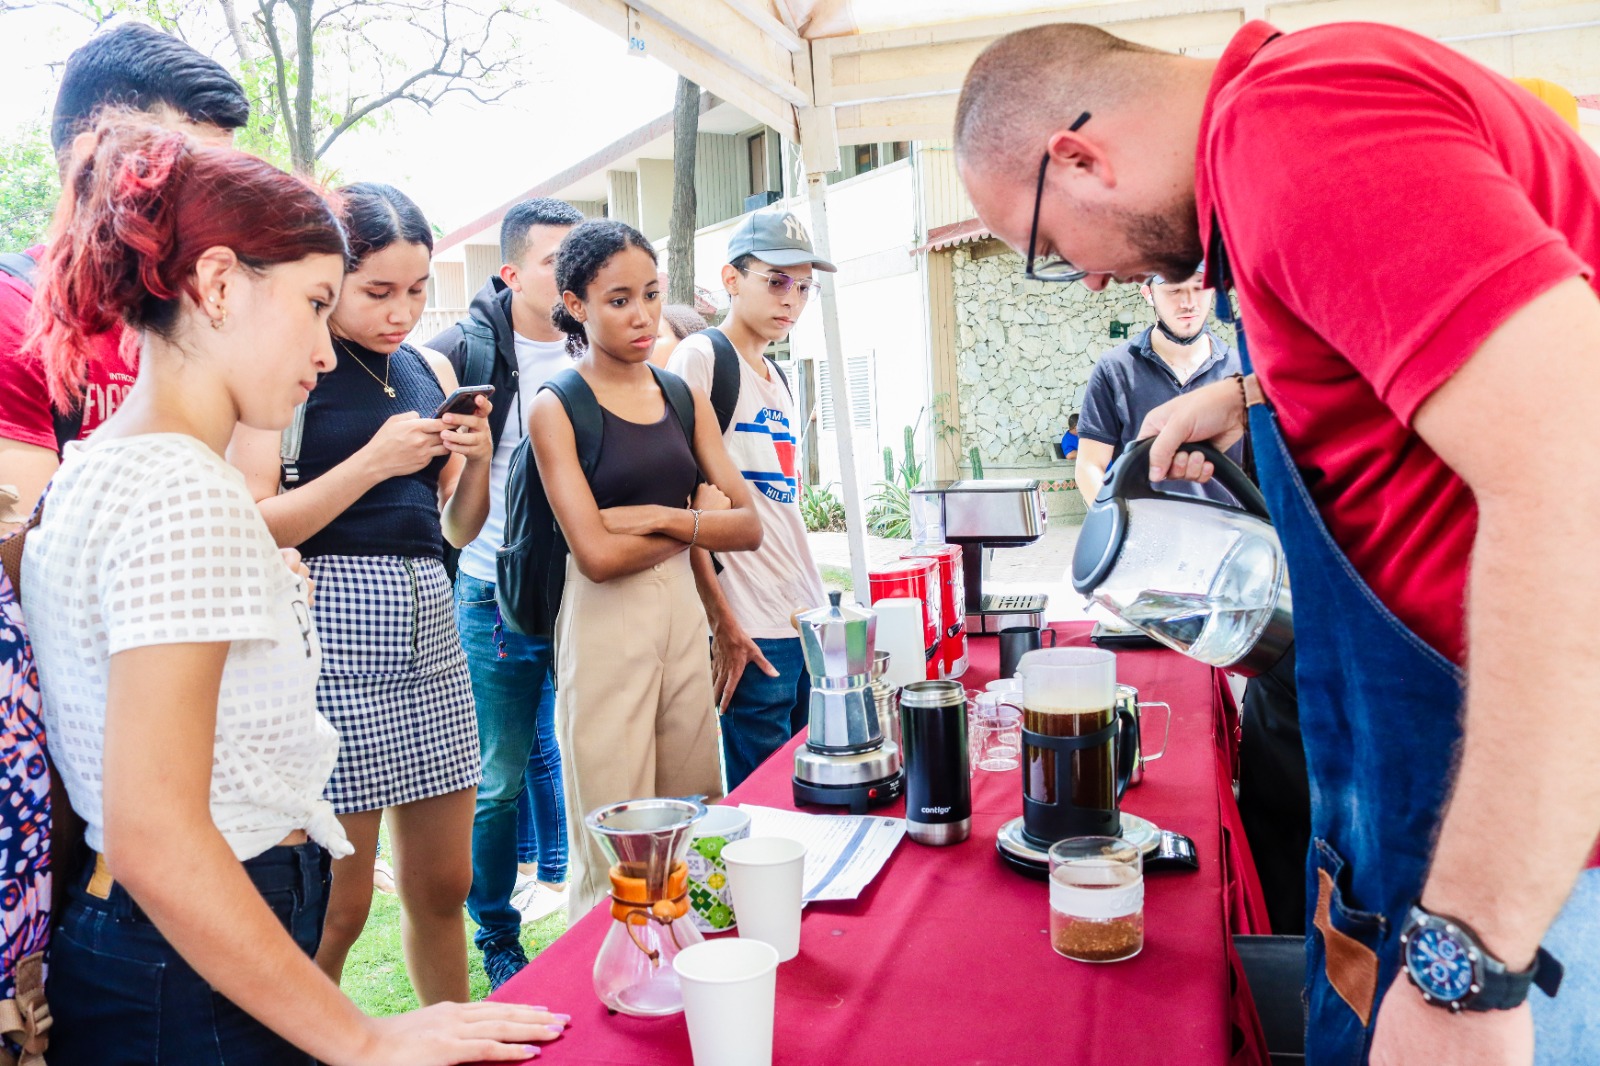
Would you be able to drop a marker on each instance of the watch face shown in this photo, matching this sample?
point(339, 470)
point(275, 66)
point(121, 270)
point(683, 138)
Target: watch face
point(1439, 963)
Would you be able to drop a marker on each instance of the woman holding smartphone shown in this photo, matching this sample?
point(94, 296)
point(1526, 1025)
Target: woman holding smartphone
point(382, 484)
point(175, 648)
point(633, 666)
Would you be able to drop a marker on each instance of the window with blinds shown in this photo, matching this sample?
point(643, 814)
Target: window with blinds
point(859, 370)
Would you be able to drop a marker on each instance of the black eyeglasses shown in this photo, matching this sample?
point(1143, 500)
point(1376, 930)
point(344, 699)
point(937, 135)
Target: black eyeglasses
point(780, 283)
point(1055, 268)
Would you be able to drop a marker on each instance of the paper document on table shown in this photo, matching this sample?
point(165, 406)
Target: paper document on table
point(844, 852)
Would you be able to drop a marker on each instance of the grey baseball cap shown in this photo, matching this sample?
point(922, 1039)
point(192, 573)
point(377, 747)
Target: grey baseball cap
point(776, 237)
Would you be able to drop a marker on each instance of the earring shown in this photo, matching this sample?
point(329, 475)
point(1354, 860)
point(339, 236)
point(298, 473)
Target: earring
point(217, 323)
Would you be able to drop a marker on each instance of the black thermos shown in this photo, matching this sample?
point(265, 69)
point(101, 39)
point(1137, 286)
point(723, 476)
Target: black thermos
point(933, 732)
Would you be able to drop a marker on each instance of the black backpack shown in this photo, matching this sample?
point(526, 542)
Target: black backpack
point(531, 567)
point(68, 424)
point(725, 377)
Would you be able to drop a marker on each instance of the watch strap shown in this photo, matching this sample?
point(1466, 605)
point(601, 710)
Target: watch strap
point(1504, 989)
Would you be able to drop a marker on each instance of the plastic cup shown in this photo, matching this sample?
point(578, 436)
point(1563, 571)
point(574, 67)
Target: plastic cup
point(767, 875)
point(729, 989)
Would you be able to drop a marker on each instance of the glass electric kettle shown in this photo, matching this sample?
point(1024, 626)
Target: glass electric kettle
point(1204, 578)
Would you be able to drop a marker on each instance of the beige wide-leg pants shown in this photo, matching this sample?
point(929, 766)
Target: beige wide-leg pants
point(634, 712)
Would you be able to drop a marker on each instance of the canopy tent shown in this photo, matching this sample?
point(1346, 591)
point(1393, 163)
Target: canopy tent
point(826, 73)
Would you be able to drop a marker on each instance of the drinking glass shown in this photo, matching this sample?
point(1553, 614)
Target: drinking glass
point(1096, 899)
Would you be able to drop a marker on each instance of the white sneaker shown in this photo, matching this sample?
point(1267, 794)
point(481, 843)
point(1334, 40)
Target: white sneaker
point(535, 901)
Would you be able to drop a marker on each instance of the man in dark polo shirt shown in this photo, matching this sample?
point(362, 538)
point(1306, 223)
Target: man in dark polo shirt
point(1176, 355)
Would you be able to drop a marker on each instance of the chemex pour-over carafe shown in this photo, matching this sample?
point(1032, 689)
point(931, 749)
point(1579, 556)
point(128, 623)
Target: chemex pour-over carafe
point(647, 838)
point(1201, 577)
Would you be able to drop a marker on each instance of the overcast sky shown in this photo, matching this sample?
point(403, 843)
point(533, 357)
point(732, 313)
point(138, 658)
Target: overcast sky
point(458, 162)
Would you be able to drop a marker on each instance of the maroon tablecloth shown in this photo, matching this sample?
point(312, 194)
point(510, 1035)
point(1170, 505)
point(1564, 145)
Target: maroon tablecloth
point(946, 959)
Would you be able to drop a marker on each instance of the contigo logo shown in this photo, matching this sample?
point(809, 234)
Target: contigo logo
point(936, 810)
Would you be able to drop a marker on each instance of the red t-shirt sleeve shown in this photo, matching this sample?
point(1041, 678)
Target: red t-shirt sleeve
point(1387, 225)
point(24, 399)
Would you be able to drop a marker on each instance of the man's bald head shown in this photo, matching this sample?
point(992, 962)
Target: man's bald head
point(1029, 83)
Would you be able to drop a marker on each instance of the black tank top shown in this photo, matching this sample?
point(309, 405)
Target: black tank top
point(399, 516)
point(643, 463)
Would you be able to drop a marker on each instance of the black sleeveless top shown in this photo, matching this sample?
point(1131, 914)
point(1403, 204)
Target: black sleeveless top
point(399, 516)
point(643, 463)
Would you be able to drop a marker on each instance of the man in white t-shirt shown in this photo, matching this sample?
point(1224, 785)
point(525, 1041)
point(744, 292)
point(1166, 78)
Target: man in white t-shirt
point(751, 604)
point(509, 342)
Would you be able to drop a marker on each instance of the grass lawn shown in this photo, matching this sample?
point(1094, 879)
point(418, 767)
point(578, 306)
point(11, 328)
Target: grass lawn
point(375, 975)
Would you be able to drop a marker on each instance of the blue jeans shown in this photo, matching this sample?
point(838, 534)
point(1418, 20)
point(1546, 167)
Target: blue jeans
point(765, 712)
point(517, 739)
point(1567, 1028)
point(120, 994)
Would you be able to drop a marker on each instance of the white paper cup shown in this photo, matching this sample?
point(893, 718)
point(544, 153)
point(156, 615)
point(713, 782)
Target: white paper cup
point(710, 899)
point(729, 988)
point(766, 875)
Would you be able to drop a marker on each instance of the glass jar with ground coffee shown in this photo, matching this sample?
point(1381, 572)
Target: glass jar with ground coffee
point(1096, 899)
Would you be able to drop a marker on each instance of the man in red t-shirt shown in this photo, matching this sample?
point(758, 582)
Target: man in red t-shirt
point(1414, 243)
point(133, 66)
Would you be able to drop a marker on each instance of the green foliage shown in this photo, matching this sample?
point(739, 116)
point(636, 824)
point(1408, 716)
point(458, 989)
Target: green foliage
point(977, 462)
point(28, 189)
point(890, 512)
point(837, 577)
point(821, 510)
point(375, 973)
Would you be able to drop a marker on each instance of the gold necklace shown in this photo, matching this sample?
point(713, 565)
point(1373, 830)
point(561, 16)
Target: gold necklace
point(384, 381)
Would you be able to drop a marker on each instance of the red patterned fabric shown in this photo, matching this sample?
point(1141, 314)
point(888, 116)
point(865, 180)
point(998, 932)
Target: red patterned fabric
point(946, 957)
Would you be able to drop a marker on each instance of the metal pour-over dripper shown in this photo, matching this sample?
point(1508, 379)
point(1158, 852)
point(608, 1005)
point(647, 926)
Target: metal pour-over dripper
point(647, 838)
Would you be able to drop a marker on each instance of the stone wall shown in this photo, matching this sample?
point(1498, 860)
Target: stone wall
point(1024, 351)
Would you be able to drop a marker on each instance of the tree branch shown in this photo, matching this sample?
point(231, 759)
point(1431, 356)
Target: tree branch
point(241, 43)
point(269, 26)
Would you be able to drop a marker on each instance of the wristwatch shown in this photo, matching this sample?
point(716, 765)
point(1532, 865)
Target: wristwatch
point(1448, 963)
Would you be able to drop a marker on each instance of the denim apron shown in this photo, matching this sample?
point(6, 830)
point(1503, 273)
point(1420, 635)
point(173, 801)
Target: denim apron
point(1380, 717)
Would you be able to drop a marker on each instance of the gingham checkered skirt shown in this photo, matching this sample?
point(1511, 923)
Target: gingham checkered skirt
point(394, 681)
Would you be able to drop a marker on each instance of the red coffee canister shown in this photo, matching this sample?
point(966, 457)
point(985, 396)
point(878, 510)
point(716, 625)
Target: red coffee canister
point(952, 603)
point(917, 579)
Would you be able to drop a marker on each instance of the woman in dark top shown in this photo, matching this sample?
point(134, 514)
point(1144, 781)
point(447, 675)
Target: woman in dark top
point(381, 486)
point(633, 666)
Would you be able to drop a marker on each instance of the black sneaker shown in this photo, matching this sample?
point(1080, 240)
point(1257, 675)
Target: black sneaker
point(502, 962)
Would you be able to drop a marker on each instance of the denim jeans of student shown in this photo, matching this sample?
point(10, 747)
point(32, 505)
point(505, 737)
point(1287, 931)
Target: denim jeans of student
point(512, 686)
point(765, 712)
point(121, 994)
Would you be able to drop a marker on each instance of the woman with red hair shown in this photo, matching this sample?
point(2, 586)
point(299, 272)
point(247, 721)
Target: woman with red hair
point(175, 648)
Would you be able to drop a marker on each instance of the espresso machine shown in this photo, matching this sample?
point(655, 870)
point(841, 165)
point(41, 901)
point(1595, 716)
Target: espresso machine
point(981, 515)
point(846, 760)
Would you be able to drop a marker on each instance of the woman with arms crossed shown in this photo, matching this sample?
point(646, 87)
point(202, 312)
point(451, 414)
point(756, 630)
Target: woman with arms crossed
point(633, 665)
point(175, 647)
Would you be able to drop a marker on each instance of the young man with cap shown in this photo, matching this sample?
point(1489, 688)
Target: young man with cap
point(1413, 240)
point(133, 66)
point(509, 342)
point(1176, 355)
point(758, 674)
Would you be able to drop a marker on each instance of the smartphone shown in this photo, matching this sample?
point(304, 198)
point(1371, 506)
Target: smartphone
point(464, 400)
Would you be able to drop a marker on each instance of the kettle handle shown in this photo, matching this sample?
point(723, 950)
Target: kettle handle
point(1130, 477)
